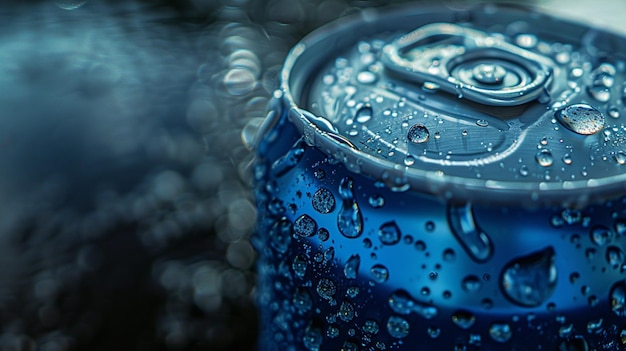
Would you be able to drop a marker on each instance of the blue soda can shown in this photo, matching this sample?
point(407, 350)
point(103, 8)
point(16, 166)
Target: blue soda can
point(434, 179)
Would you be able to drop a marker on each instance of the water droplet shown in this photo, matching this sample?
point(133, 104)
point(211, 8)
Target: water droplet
point(618, 298)
point(349, 219)
point(402, 303)
point(500, 332)
point(290, 159)
point(376, 201)
point(601, 235)
point(567, 159)
point(364, 113)
point(434, 332)
point(319, 174)
point(323, 201)
point(544, 158)
point(613, 112)
point(351, 268)
point(472, 238)
point(349, 346)
point(302, 300)
point(299, 266)
point(464, 132)
point(523, 171)
point(573, 278)
point(389, 233)
point(420, 245)
point(305, 226)
point(418, 133)
point(581, 118)
point(323, 234)
point(380, 273)
point(599, 92)
point(352, 291)
point(620, 157)
point(280, 234)
point(366, 77)
point(594, 326)
point(449, 255)
point(430, 226)
point(409, 160)
point(398, 327)
point(471, 283)
point(615, 256)
point(326, 288)
point(530, 280)
point(370, 326)
point(346, 311)
point(482, 123)
point(430, 87)
point(463, 319)
point(332, 331)
point(312, 338)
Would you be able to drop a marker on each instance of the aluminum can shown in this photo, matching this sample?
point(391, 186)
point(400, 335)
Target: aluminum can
point(438, 179)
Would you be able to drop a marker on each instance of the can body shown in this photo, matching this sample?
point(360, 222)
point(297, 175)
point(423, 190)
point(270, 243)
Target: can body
point(351, 260)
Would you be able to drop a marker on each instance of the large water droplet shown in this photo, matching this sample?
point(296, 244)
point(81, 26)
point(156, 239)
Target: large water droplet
point(599, 92)
point(349, 219)
point(389, 233)
point(380, 273)
point(615, 256)
point(471, 283)
point(472, 238)
point(500, 332)
point(305, 226)
point(364, 113)
point(530, 280)
point(463, 319)
point(618, 298)
point(544, 158)
point(398, 327)
point(402, 303)
point(581, 118)
point(418, 133)
point(290, 159)
point(326, 288)
point(601, 235)
point(351, 268)
point(323, 201)
point(346, 311)
point(620, 157)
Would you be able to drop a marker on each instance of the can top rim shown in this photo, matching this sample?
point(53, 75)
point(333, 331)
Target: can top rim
point(398, 177)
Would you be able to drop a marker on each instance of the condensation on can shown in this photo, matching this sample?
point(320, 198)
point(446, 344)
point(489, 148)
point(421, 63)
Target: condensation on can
point(445, 180)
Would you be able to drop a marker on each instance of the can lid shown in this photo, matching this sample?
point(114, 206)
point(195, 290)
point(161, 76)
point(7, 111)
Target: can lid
point(495, 104)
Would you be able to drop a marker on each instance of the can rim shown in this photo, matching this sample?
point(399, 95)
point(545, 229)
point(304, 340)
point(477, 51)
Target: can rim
point(574, 193)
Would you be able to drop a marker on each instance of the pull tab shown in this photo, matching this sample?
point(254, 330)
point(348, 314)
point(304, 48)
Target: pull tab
point(470, 63)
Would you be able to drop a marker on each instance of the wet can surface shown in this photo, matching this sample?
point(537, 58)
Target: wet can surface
point(432, 179)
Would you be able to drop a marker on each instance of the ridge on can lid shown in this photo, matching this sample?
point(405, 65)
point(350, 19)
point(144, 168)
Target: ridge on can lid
point(383, 112)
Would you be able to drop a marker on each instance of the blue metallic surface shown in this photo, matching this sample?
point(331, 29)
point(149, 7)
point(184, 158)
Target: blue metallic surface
point(348, 261)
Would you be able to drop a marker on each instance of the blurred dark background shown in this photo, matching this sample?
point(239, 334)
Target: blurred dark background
point(126, 212)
